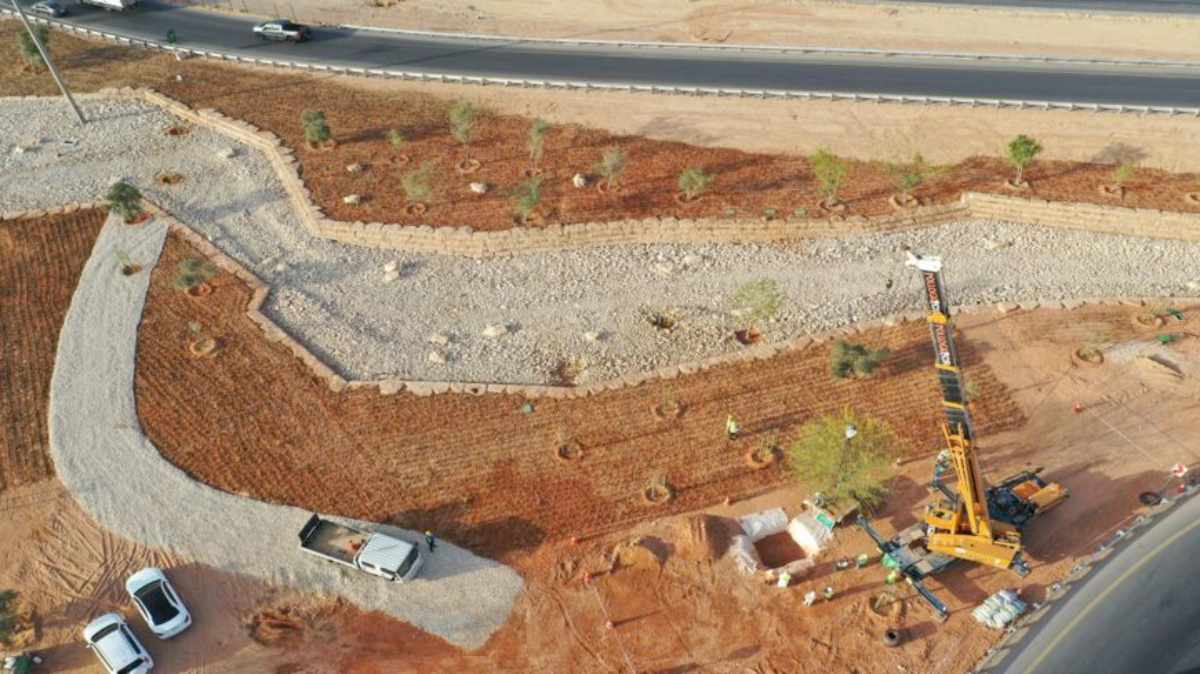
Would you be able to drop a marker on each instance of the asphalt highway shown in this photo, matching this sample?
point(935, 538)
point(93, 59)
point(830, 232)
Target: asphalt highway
point(1157, 86)
point(1139, 613)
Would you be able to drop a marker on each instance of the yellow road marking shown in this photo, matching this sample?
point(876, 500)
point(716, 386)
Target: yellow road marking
point(1120, 579)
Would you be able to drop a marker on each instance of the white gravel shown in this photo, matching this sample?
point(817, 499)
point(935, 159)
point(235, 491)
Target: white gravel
point(120, 479)
point(374, 314)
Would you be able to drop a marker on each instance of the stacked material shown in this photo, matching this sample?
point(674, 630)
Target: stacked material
point(1000, 609)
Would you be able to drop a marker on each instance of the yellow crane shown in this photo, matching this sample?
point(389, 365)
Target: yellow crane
point(974, 520)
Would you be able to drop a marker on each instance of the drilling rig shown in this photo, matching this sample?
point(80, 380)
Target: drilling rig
point(972, 520)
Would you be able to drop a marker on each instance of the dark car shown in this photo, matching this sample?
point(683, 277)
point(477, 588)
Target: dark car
point(282, 30)
point(49, 8)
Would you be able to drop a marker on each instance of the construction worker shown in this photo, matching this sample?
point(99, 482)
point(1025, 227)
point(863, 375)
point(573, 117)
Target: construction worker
point(732, 429)
point(430, 541)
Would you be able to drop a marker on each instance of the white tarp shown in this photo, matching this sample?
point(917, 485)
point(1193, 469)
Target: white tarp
point(809, 534)
point(764, 523)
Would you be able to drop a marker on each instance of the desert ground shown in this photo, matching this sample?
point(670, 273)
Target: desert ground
point(549, 487)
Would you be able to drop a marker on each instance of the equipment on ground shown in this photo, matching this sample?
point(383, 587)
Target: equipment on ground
point(973, 521)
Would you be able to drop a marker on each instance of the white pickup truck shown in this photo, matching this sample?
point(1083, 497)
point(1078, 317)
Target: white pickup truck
point(376, 554)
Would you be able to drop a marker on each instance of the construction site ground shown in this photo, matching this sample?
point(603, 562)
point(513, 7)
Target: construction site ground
point(484, 473)
point(491, 479)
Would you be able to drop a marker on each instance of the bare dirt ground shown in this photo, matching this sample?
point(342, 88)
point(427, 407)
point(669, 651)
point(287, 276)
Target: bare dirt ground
point(42, 260)
point(478, 468)
point(866, 132)
point(691, 612)
point(893, 25)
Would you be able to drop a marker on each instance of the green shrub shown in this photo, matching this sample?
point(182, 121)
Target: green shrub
point(28, 48)
point(849, 359)
point(830, 172)
point(908, 176)
point(693, 181)
point(841, 469)
point(537, 140)
point(527, 196)
point(462, 121)
point(397, 138)
point(192, 272)
point(316, 130)
point(416, 184)
point(758, 300)
point(125, 199)
point(1021, 152)
point(611, 166)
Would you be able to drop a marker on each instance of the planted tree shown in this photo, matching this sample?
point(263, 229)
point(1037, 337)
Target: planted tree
point(855, 360)
point(830, 172)
point(462, 121)
point(416, 184)
point(908, 176)
point(757, 301)
point(397, 139)
point(28, 47)
point(693, 181)
point(316, 130)
point(845, 470)
point(526, 197)
point(1021, 152)
point(10, 624)
point(125, 200)
point(611, 166)
point(537, 142)
point(192, 274)
point(1122, 173)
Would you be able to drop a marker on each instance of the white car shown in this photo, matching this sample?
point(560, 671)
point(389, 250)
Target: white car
point(110, 639)
point(158, 602)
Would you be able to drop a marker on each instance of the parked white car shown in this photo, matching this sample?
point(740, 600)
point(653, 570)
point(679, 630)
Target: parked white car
point(158, 602)
point(113, 643)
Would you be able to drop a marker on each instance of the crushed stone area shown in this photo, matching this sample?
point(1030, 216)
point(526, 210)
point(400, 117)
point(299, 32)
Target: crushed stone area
point(120, 478)
point(375, 314)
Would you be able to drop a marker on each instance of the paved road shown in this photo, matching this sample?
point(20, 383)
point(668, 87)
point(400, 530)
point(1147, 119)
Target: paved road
point(671, 67)
point(1138, 614)
point(1102, 6)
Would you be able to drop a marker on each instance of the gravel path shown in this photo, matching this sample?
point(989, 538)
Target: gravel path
point(120, 479)
point(545, 309)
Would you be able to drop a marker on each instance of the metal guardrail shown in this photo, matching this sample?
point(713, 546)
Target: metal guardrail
point(767, 94)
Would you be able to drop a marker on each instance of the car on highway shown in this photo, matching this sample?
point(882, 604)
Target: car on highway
point(282, 30)
point(115, 645)
point(111, 5)
point(158, 602)
point(49, 8)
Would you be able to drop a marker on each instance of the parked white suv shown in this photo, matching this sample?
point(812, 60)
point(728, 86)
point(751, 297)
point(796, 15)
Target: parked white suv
point(158, 602)
point(121, 653)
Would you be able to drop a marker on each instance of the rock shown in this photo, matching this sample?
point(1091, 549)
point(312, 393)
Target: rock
point(390, 276)
point(18, 150)
point(579, 180)
point(593, 336)
point(227, 153)
point(692, 260)
point(495, 330)
point(280, 267)
point(355, 168)
point(1193, 285)
point(992, 244)
point(437, 357)
point(440, 339)
point(664, 269)
point(1005, 307)
point(390, 267)
point(179, 78)
point(352, 199)
point(479, 188)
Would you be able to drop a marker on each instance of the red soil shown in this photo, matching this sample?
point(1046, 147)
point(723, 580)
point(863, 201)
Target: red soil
point(40, 263)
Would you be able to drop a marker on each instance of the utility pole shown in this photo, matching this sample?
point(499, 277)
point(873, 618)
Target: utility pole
point(49, 64)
